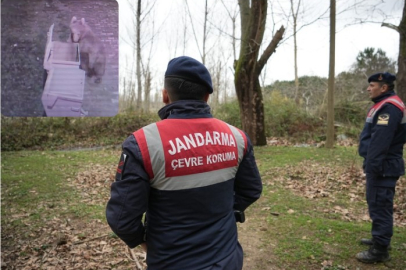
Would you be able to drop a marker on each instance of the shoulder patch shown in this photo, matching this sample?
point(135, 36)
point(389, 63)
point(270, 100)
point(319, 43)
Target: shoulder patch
point(120, 167)
point(383, 119)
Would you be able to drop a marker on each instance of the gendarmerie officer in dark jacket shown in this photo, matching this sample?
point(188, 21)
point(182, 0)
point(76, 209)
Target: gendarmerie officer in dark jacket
point(381, 146)
point(192, 174)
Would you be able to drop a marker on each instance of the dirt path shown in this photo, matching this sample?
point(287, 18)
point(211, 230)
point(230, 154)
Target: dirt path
point(253, 237)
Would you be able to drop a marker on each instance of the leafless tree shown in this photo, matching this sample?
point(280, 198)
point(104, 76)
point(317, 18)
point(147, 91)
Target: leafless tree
point(138, 52)
point(142, 10)
point(295, 13)
point(401, 75)
point(331, 77)
point(401, 88)
point(248, 67)
point(232, 14)
point(202, 51)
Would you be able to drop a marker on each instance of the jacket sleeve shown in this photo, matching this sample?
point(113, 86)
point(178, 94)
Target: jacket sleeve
point(129, 196)
point(381, 138)
point(248, 184)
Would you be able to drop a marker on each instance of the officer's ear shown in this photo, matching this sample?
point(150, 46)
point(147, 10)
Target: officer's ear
point(165, 97)
point(206, 97)
point(384, 88)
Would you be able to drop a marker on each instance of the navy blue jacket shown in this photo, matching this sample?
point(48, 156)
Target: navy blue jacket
point(189, 228)
point(381, 144)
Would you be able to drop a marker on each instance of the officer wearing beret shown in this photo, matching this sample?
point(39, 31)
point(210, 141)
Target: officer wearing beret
point(381, 146)
point(192, 176)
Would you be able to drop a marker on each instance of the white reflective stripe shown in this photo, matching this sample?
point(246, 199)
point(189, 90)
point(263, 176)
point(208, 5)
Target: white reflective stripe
point(401, 104)
point(156, 152)
point(195, 180)
point(240, 142)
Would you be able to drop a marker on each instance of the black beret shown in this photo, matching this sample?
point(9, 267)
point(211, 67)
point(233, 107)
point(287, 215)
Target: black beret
point(382, 77)
point(191, 70)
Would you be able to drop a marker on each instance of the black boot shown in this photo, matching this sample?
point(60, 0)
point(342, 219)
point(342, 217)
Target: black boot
point(370, 242)
point(376, 253)
point(367, 241)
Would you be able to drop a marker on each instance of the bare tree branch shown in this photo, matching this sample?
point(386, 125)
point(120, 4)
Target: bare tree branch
point(193, 29)
point(233, 18)
point(391, 26)
point(270, 49)
point(149, 9)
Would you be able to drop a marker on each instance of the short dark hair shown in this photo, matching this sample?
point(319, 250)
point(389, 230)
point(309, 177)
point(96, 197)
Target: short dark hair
point(180, 89)
point(391, 86)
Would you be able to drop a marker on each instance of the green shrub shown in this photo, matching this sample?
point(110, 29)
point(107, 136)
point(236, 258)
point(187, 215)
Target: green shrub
point(352, 113)
point(60, 132)
point(229, 112)
point(283, 118)
point(348, 116)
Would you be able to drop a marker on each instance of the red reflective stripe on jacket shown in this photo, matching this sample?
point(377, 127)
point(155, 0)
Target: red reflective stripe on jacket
point(395, 100)
point(142, 143)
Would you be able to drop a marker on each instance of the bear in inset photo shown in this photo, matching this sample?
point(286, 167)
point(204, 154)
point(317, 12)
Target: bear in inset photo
point(92, 52)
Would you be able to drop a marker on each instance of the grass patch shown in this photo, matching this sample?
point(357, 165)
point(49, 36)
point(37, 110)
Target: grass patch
point(307, 233)
point(291, 231)
point(270, 157)
point(35, 185)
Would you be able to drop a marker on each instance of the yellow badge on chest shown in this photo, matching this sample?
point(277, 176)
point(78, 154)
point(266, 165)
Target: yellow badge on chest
point(383, 119)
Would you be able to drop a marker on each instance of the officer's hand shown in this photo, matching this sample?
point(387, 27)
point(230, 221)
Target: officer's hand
point(144, 246)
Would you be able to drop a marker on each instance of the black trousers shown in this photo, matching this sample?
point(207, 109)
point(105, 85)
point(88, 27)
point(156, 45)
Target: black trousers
point(380, 207)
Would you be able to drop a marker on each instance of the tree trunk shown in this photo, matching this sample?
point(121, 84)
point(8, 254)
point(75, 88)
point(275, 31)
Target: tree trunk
point(138, 45)
point(147, 88)
point(294, 15)
point(331, 77)
point(401, 76)
point(248, 68)
point(217, 72)
point(204, 35)
point(251, 105)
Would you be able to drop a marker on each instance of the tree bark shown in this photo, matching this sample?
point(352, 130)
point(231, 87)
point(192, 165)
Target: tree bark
point(204, 35)
point(331, 77)
point(401, 75)
point(147, 90)
point(138, 48)
point(248, 68)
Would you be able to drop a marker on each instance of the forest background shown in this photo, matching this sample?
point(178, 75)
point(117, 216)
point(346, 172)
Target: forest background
point(53, 202)
point(209, 31)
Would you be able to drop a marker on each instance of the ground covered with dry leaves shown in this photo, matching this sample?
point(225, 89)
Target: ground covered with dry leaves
point(71, 243)
point(314, 180)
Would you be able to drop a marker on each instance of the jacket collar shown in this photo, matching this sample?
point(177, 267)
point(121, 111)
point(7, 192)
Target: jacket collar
point(185, 109)
point(383, 96)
